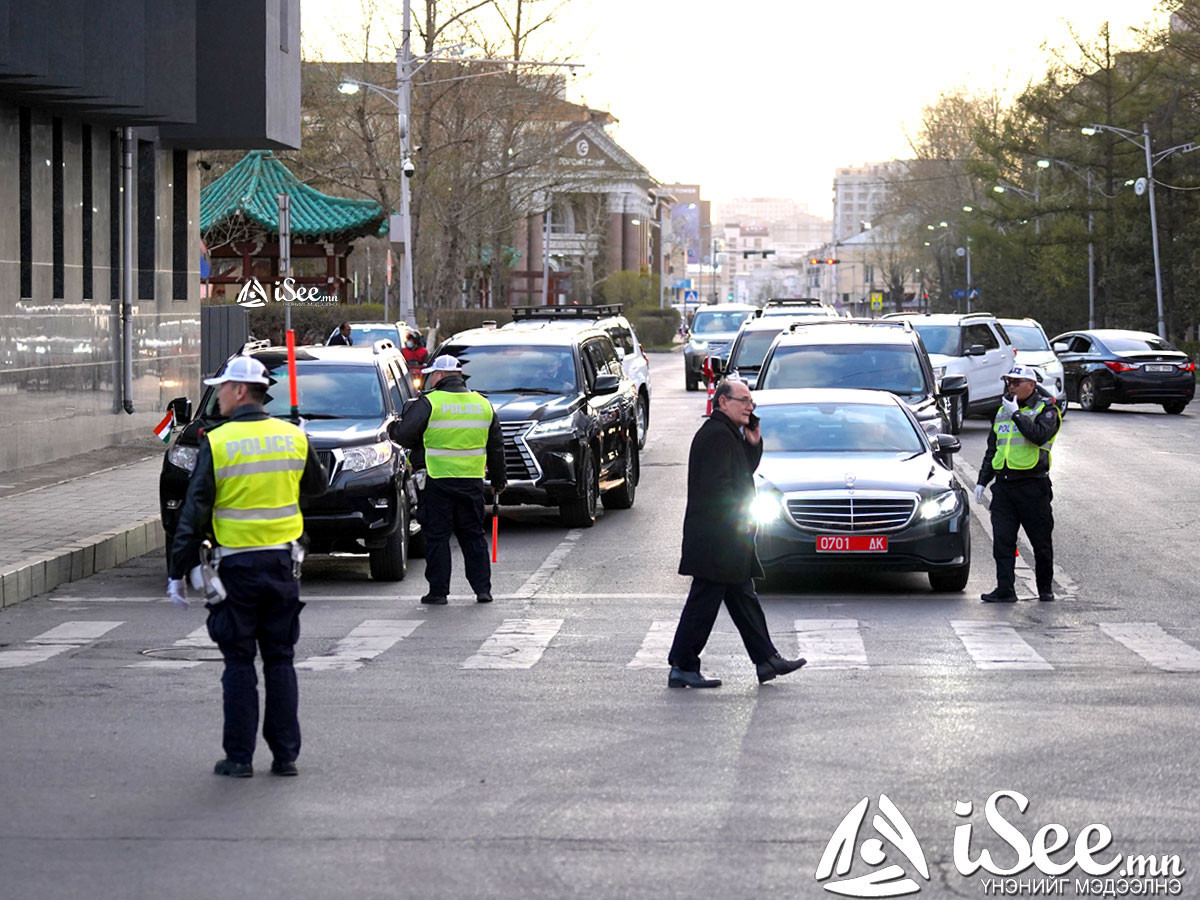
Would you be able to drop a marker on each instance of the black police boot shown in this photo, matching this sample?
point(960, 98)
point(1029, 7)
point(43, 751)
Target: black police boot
point(998, 596)
point(681, 679)
point(279, 767)
point(434, 600)
point(483, 598)
point(233, 769)
point(776, 666)
point(1045, 596)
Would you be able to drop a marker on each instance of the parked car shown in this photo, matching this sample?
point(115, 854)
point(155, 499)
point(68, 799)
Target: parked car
point(608, 317)
point(568, 413)
point(1107, 366)
point(713, 330)
point(348, 398)
point(873, 354)
point(850, 480)
point(1033, 350)
point(975, 346)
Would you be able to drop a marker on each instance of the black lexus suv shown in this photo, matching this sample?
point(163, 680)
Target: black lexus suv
point(348, 397)
point(568, 412)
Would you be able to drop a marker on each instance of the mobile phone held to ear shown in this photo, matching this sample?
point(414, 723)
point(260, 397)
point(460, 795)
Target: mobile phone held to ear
point(754, 421)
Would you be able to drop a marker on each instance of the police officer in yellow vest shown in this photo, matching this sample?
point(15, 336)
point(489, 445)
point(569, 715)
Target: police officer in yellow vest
point(458, 435)
point(1018, 459)
point(245, 491)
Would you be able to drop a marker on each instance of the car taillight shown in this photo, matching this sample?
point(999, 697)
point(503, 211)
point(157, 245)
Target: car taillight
point(1119, 366)
point(1188, 366)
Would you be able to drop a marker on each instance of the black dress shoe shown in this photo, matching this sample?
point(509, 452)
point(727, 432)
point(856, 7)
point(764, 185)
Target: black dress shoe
point(233, 769)
point(998, 596)
point(1045, 596)
point(776, 666)
point(681, 679)
point(434, 600)
point(483, 598)
point(279, 767)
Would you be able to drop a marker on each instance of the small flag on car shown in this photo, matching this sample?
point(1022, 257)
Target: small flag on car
point(162, 430)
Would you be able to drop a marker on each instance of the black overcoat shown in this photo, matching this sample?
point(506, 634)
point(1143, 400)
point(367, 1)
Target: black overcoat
point(718, 528)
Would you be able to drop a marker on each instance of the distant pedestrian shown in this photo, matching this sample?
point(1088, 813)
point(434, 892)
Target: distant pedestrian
point(245, 491)
point(341, 337)
point(1018, 459)
point(458, 434)
point(718, 542)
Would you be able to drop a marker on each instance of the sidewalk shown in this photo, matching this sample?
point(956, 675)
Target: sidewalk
point(65, 520)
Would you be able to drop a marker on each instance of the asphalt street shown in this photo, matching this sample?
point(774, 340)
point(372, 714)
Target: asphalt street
point(530, 748)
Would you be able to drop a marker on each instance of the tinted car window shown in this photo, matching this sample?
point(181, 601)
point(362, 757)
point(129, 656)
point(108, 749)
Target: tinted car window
point(500, 368)
point(752, 349)
point(608, 353)
point(1080, 344)
point(880, 367)
point(1135, 344)
point(1027, 337)
point(622, 337)
point(336, 392)
point(365, 337)
point(979, 334)
point(713, 322)
point(941, 339)
point(832, 427)
point(597, 362)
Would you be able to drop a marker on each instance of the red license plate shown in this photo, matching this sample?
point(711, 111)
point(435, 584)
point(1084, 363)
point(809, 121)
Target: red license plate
point(851, 543)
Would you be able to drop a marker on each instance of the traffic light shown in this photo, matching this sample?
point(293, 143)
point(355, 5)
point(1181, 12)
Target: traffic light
point(831, 261)
point(746, 254)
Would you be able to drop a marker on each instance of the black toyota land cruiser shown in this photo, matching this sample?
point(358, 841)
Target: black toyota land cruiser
point(568, 412)
point(348, 397)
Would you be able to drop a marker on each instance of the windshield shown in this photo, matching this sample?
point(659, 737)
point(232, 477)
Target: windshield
point(880, 367)
point(943, 339)
point(837, 427)
point(325, 392)
point(1026, 337)
point(516, 368)
point(751, 349)
point(1137, 345)
point(365, 337)
point(713, 322)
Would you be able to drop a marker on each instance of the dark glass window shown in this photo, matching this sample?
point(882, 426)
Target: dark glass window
point(26, 189)
point(56, 206)
point(146, 205)
point(86, 202)
point(179, 225)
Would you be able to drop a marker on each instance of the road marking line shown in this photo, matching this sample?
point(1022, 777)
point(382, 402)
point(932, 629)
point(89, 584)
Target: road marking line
point(60, 639)
point(363, 643)
point(195, 640)
point(1155, 646)
point(535, 581)
point(516, 644)
point(656, 645)
point(831, 643)
point(994, 645)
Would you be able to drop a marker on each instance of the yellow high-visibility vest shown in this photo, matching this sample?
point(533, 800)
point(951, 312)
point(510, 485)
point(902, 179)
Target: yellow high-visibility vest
point(257, 466)
point(1013, 449)
point(456, 437)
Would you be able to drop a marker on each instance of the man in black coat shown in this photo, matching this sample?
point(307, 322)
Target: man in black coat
point(718, 542)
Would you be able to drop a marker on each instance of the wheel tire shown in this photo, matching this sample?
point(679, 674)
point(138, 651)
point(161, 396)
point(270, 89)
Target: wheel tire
point(580, 512)
point(390, 562)
point(958, 413)
point(690, 382)
point(950, 581)
point(1175, 407)
point(1087, 396)
point(623, 496)
point(643, 419)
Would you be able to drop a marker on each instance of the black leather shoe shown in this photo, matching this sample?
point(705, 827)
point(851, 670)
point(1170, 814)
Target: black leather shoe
point(998, 596)
point(776, 666)
point(1045, 596)
point(233, 769)
point(279, 767)
point(483, 598)
point(434, 600)
point(681, 679)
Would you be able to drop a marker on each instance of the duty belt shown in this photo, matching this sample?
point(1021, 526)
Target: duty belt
point(221, 553)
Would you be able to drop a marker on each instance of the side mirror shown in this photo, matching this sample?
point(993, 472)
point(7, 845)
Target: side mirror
point(606, 384)
point(182, 407)
point(946, 444)
point(1059, 347)
point(952, 385)
point(976, 350)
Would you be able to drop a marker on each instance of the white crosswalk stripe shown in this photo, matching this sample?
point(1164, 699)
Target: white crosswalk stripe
point(655, 646)
point(995, 645)
point(196, 640)
point(60, 639)
point(516, 644)
point(362, 644)
point(1155, 646)
point(831, 643)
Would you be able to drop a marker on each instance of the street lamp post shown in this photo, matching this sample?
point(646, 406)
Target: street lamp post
point(1086, 174)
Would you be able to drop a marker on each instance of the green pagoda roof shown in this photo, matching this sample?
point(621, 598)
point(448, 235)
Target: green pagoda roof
point(250, 191)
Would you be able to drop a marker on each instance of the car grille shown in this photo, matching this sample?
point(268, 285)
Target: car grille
point(330, 463)
point(851, 513)
point(518, 458)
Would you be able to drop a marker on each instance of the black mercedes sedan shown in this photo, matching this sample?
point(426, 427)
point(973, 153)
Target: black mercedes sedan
point(849, 480)
point(1108, 365)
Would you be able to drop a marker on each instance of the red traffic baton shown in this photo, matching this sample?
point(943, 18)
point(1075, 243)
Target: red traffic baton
point(495, 524)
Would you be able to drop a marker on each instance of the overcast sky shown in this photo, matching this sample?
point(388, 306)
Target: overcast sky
point(768, 97)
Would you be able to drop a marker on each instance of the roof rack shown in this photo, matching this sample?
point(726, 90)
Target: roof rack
point(583, 311)
point(253, 347)
point(793, 301)
point(876, 323)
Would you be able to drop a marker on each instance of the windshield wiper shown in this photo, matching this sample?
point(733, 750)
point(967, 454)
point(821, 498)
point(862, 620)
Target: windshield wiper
point(526, 390)
point(308, 415)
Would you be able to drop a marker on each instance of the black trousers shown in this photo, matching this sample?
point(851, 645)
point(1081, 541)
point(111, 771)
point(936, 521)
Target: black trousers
point(700, 613)
point(1024, 503)
point(262, 610)
point(454, 511)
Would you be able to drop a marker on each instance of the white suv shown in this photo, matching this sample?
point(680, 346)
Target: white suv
point(975, 346)
point(1033, 350)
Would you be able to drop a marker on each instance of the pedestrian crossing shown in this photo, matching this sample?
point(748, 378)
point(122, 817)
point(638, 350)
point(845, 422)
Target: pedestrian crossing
point(829, 644)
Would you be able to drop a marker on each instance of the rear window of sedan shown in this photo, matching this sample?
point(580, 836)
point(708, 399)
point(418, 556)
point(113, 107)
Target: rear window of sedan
point(838, 428)
point(882, 367)
point(1137, 345)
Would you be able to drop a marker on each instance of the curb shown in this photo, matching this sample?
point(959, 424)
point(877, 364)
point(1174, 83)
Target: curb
point(79, 559)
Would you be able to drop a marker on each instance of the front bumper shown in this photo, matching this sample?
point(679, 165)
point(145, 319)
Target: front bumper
point(542, 471)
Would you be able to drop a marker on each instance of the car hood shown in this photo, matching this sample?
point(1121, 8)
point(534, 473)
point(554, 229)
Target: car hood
point(517, 407)
point(941, 359)
point(870, 471)
point(1036, 357)
point(719, 337)
point(342, 432)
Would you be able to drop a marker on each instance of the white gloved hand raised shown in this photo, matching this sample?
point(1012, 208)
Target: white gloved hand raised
point(979, 493)
point(177, 592)
point(1010, 405)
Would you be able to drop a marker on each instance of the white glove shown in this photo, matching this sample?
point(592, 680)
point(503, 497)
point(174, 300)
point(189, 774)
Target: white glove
point(177, 592)
point(1010, 405)
point(979, 493)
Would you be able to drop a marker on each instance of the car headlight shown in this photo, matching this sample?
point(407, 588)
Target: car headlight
point(550, 427)
point(765, 508)
point(183, 457)
point(941, 505)
point(698, 344)
point(368, 456)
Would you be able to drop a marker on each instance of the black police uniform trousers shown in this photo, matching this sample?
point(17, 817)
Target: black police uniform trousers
point(454, 507)
point(1023, 503)
point(700, 613)
point(261, 609)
